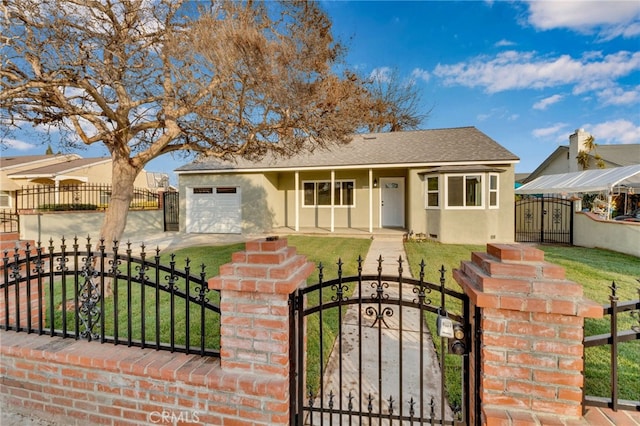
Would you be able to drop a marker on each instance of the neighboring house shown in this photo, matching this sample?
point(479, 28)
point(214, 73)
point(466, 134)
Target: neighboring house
point(564, 158)
point(452, 185)
point(64, 172)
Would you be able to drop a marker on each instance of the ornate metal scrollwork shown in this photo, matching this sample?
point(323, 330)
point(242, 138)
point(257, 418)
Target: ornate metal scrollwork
point(557, 216)
point(339, 289)
point(421, 289)
point(528, 216)
point(171, 278)
point(379, 295)
point(371, 311)
point(89, 298)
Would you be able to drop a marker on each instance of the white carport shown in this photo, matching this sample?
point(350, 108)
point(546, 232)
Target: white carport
point(618, 179)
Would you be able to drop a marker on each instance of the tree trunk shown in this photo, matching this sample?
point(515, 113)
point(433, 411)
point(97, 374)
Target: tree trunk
point(115, 218)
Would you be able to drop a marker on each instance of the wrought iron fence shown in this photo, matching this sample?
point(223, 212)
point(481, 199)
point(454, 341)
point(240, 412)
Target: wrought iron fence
point(617, 335)
point(89, 196)
point(110, 297)
point(9, 221)
point(349, 380)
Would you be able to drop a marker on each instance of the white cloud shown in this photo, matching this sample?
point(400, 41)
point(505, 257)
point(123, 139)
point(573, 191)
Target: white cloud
point(381, 74)
point(547, 132)
point(18, 144)
point(504, 43)
point(616, 131)
point(609, 19)
point(619, 96)
point(546, 102)
point(512, 70)
point(419, 73)
point(498, 113)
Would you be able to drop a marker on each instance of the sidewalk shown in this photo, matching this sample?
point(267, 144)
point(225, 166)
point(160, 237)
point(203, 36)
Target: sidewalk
point(389, 385)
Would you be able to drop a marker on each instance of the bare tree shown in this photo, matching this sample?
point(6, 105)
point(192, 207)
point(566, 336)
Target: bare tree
point(395, 103)
point(150, 77)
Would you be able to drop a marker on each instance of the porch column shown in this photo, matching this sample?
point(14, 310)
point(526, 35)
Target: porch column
point(333, 199)
point(296, 200)
point(370, 201)
point(56, 193)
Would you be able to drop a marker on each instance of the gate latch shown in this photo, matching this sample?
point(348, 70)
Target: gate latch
point(444, 326)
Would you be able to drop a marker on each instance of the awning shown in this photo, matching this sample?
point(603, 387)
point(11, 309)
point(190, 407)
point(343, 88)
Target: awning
point(585, 181)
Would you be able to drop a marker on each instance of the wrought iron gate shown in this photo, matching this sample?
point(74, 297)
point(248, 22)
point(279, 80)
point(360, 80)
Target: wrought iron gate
point(544, 220)
point(363, 353)
point(171, 205)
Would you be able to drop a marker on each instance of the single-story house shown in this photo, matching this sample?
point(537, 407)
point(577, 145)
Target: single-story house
point(452, 185)
point(564, 158)
point(64, 172)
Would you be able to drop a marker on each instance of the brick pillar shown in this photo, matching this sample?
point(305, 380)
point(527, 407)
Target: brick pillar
point(531, 319)
point(254, 305)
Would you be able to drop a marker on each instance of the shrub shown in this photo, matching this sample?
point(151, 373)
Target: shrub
point(67, 207)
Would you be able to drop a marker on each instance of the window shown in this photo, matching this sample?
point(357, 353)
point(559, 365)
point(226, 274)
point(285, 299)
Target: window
point(208, 190)
point(493, 190)
point(464, 191)
point(319, 193)
point(5, 200)
point(433, 195)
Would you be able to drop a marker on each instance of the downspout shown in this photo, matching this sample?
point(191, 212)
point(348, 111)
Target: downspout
point(333, 199)
point(296, 200)
point(370, 201)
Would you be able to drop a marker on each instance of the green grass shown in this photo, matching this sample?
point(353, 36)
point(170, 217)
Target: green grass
point(326, 251)
point(594, 269)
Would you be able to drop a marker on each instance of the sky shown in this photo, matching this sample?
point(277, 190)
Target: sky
point(527, 74)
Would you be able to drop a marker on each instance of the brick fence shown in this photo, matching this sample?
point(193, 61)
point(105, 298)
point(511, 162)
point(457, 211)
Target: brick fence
point(531, 350)
point(530, 369)
point(79, 382)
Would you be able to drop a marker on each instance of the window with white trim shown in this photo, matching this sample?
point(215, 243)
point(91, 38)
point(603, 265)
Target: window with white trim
point(493, 190)
point(464, 190)
point(433, 192)
point(318, 193)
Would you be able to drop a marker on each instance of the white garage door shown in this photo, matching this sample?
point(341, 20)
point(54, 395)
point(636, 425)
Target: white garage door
point(214, 210)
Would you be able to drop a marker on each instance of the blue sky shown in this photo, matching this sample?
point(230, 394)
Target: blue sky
point(525, 73)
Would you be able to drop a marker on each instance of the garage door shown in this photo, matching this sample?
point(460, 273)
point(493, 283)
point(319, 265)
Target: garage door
point(214, 210)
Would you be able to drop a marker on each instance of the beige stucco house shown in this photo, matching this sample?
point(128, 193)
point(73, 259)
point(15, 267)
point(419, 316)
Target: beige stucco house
point(61, 171)
point(452, 185)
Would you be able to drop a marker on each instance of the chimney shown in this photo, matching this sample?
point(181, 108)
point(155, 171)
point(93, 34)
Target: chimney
point(576, 144)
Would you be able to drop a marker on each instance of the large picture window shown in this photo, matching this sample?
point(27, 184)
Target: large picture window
point(318, 193)
point(464, 191)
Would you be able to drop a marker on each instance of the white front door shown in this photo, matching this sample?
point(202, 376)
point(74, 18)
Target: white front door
point(392, 202)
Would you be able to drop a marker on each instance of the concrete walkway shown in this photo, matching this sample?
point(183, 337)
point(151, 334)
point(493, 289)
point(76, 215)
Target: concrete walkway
point(390, 249)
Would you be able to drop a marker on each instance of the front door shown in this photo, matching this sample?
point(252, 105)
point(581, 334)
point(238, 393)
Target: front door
point(392, 202)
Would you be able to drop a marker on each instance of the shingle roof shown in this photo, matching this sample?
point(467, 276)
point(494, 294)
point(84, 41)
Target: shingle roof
point(622, 155)
point(438, 146)
point(66, 166)
point(12, 161)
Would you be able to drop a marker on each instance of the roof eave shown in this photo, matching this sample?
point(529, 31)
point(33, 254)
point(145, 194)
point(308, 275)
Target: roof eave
point(346, 167)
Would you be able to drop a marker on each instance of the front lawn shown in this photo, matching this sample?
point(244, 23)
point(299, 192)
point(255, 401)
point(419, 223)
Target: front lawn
point(595, 269)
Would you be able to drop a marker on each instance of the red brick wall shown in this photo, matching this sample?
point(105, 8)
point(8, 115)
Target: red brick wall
point(531, 319)
point(79, 382)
